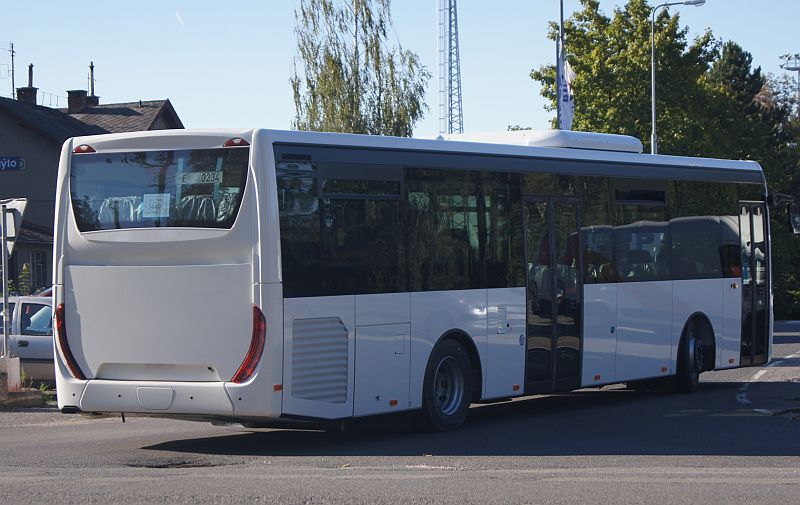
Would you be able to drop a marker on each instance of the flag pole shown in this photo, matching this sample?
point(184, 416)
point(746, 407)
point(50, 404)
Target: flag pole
point(559, 65)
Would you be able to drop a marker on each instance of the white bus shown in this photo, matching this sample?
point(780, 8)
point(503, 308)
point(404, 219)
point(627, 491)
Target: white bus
point(268, 277)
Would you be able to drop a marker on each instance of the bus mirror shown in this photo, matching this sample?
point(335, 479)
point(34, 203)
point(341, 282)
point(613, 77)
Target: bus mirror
point(793, 212)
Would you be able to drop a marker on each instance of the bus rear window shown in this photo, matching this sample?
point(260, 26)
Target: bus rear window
point(199, 188)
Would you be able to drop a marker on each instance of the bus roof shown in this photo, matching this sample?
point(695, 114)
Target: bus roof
point(209, 138)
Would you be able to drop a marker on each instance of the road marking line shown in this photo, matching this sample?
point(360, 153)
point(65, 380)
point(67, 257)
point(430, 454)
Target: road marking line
point(741, 396)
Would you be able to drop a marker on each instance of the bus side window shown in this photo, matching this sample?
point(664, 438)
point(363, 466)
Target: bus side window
point(598, 255)
point(642, 251)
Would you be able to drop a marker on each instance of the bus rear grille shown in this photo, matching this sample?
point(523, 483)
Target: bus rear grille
point(319, 359)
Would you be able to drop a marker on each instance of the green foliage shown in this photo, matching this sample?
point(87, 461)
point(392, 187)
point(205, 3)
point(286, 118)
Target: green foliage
point(352, 81)
point(24, 280)
point(611, 57)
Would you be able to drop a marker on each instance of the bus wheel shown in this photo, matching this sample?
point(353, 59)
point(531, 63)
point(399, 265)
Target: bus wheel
point(447, 388)
point(690, 359)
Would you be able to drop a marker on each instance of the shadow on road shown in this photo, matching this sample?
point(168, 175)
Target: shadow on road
point(596, 422)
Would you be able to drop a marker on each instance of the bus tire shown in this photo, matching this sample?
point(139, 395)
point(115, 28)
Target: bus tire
point(690, 359)
point(447, 386)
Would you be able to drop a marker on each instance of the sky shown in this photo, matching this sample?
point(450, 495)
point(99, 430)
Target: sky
point(227, 64)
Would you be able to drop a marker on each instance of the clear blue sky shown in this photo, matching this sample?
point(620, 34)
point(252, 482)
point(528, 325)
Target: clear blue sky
point(227, 64)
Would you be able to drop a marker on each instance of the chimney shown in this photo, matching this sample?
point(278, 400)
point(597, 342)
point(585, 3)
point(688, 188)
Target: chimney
point(92, 100)
point(76, 101)
point(28, 93)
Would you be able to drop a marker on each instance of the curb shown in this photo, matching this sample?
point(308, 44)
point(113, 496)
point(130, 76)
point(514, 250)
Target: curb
point(23, 398)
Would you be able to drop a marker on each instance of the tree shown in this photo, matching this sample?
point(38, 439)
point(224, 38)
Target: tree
point(352, 80)
point(611, 57)
point(24, 280)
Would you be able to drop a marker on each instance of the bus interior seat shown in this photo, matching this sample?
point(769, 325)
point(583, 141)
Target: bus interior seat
point(197, 208)
point(639, 264)
point(120, 209)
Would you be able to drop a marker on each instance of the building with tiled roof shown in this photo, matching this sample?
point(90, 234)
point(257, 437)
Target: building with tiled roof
point(127, 117)
point(31, 137)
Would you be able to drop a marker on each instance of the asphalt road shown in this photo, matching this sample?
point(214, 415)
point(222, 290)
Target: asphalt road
point(737, 440)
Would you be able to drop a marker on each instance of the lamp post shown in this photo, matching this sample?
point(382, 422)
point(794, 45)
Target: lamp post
point(653, 136)
point(791, 62)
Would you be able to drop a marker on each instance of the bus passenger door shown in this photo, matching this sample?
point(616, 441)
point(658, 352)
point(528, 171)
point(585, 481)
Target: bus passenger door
point(755, 288)
point(552, 245)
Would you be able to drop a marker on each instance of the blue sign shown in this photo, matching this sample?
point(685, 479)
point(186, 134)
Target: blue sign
point(11, 163)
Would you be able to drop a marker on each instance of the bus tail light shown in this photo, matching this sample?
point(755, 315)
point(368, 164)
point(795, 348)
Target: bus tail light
point(248, 366)
point(83, 149)
point(236, 142)
point(61, 327)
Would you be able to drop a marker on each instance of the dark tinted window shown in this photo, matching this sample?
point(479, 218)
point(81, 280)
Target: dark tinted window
point(730, 250)
point(695, 247)
point(639, 192)
point(598, 254)
point(298, 206)
point(504, 249)
point(151, 189)
point(347, 240)
point(446, 230)
point(362, 246)
point(641, 251)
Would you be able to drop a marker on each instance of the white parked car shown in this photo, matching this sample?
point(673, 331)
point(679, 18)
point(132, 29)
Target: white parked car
point(31, 335)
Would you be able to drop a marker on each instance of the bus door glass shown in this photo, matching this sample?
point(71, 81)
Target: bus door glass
point(553, 294)
point(755, 292)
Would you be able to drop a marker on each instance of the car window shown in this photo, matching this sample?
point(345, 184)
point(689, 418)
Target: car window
point(36, 319)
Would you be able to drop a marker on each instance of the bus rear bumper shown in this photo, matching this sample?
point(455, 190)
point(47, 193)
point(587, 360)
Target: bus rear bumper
point(156, 398)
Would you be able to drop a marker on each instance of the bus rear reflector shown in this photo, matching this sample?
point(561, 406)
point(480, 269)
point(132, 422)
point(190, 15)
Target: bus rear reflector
point(83, 149)
point(61, 327)
point(236, 142)
point(248, 366)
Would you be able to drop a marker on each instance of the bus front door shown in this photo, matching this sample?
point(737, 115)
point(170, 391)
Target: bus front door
point(755, 286)
point(552, 246)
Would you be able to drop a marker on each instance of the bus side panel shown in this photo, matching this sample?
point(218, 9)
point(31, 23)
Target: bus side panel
point(599, 334)
point(260, 397)
point(383, 331)
point(263, 160)
point(505, 343)
point(435, 313)
point(706, 296)
point(644, 328)
point(729, 344)
point(319, 356)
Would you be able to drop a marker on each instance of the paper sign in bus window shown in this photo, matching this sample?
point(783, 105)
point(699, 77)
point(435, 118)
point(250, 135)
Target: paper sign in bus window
point(201, 178)
point(155, 205)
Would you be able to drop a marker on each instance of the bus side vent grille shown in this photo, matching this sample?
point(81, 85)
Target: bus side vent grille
point(319, 359)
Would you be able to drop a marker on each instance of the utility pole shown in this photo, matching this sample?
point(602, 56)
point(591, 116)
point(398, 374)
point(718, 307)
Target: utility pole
point(451, 113)
point(13, 85)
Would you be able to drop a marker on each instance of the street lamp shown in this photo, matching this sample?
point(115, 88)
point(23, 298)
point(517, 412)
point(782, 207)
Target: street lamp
point(791, 62)
point(697, 3)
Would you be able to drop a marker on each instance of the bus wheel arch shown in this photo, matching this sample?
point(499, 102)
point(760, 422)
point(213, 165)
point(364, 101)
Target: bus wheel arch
point(448, 386)
point(696, 351)
point(474, 359)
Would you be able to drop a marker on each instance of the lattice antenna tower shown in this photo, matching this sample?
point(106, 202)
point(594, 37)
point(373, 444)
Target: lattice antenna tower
point(451, 113)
